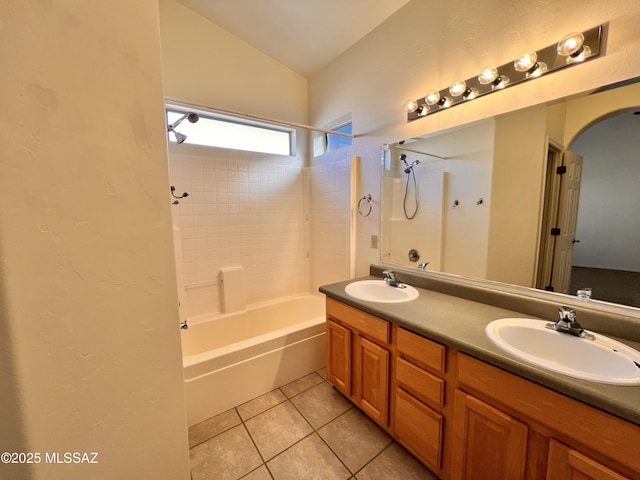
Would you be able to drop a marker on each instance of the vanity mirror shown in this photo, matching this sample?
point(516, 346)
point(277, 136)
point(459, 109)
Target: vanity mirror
point(544, 197)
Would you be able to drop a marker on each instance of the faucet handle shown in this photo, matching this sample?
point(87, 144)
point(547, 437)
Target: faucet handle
point(389, 274)
point(567, 314)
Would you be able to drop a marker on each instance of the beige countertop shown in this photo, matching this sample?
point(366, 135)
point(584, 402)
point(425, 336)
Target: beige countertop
point(460, 323)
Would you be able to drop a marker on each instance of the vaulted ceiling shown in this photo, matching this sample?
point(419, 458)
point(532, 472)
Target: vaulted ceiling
point(304, 35)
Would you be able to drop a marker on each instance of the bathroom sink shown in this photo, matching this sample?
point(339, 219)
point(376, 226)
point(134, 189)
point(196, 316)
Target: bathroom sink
point(601, 360)
point(379, 291)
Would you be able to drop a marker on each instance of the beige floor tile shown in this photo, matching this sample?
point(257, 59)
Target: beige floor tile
point(306, 460)
point(213, 426)
point(227, 456)
point(277, 429)
point(321, 404)
point(354, 438)
point(260, 404)
point(322, 372)
point(300, 385)
point(258, 474)
point(395, 462)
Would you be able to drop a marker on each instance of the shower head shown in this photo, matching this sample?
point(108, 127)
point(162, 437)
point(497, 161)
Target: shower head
point(409, 168)
point(180, 137)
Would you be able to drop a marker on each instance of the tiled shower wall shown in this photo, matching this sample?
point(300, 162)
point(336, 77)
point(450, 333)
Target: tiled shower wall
point(286, 225)
point(239, 212)
point(331, 210)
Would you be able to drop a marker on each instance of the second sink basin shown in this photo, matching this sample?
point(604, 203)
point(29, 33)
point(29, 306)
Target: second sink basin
point(379, 291)
point(601, 360)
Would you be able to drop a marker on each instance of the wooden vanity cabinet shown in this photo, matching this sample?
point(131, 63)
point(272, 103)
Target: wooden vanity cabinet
point(418, 397)
point(358, 358)
point(511, 428)
point(466, 419)
point(566, 463)
point(488, 443)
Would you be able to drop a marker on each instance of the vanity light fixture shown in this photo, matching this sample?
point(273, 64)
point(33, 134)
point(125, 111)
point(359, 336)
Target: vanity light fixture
point(572, 49)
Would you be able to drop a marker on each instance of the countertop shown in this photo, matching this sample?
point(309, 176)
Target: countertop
point(460, 323)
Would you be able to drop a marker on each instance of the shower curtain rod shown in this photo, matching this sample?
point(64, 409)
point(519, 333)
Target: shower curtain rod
point(404, 149)
point(178, 103)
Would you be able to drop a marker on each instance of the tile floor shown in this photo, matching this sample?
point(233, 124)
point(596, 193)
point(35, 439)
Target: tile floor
point(301, 431)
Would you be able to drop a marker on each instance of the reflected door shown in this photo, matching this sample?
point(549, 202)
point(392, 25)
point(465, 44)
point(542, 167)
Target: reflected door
point(567, 220)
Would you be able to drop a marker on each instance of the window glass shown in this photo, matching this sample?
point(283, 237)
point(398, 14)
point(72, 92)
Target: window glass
point(226, 132)
point(334, 142)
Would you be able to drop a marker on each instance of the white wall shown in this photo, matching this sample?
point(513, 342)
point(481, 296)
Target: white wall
point(205, 65)
point(89, 337)
point(415, 51)
point(517, 196)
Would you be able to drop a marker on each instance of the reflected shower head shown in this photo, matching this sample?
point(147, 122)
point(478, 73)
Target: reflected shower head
point(409, 168)
point(180, 137)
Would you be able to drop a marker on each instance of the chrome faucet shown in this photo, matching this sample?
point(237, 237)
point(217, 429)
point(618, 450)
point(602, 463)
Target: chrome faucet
point(568, 324)
point(391, 279)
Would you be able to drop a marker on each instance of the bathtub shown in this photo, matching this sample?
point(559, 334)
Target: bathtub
point(230, 359)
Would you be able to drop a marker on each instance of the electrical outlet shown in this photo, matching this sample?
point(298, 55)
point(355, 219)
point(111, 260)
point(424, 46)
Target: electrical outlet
point(374, 241)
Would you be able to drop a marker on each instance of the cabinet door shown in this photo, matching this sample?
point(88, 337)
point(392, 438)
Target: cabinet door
point(373, 380)
point(419, 428)
point(339, 357)
point(487, 443)
point(568, 464)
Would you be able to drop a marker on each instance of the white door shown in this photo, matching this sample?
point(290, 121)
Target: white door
point(567, 220)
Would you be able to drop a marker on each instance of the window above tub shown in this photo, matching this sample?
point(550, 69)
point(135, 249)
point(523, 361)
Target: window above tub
point(222, 131)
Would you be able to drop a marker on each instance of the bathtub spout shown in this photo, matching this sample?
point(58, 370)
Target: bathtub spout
point(183, 325)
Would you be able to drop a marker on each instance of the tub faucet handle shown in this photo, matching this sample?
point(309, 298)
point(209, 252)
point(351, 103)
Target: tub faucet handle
point(184, 325)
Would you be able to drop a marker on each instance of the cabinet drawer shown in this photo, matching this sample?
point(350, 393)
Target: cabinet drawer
point(418, 428)
point(364, 323)
point(426, 387)
point(421, 351)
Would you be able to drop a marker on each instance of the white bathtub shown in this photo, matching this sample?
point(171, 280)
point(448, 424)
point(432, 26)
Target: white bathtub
point(230, 359)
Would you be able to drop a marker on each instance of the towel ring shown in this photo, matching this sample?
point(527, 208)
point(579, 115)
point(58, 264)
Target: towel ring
point(367, 198)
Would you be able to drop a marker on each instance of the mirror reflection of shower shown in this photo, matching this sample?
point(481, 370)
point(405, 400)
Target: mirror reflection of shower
point(410, 175)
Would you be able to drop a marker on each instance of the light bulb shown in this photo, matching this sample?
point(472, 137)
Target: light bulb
point(470, 93)
point(487, 75)
point(525, 62)
point(432, 97)
point(445, 102)
point(458, 88)
point(411, 105)
point(500, 82)
point(537, 70)
point(570, 44)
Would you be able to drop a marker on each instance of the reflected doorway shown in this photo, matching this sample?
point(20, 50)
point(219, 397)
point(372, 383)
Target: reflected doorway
point(604, 248)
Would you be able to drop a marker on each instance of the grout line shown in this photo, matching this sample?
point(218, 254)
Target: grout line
point(313, 430)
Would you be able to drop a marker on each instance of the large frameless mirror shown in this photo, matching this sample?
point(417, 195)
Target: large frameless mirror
point(545, 197)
